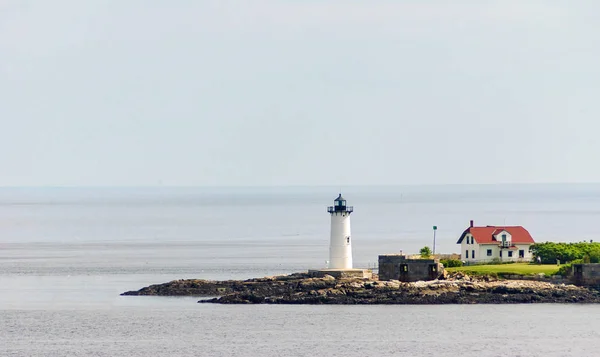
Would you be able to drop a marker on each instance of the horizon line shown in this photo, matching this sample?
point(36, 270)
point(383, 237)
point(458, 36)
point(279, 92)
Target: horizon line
point(337, 186)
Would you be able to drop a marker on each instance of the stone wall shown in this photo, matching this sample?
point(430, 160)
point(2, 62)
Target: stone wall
point(398, 267)
point(342, 273)
point(555, 279)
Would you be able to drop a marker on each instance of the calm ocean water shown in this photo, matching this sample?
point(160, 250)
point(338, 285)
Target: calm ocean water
point(66, 254)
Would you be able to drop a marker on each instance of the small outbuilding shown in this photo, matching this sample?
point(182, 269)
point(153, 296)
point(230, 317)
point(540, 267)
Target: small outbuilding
point(586, 274)
point(398, 267)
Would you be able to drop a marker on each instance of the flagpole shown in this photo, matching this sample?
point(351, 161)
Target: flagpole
point(434, 230)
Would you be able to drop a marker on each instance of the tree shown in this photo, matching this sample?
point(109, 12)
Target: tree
point(550, 252)
point(425, 252)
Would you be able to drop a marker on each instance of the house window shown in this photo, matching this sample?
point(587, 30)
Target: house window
point(467, 254)
point(521, 253)
point(500, 253)
point(510, 253)
point(489, 252)
point(473, 254)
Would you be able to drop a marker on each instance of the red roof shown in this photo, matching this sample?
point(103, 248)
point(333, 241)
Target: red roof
point(485, 235)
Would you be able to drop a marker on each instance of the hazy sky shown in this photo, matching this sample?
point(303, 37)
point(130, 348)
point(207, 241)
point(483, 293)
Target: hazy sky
point(148, 92)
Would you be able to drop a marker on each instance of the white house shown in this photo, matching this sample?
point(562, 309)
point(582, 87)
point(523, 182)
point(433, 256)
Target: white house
point(506, 243)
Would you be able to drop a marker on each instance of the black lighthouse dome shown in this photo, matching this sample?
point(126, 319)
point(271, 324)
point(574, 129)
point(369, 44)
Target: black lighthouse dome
point(339, 205)
point(339, 201)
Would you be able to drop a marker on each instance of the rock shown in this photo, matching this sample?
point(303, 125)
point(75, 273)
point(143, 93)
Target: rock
point(299, 288)
point(356, 285)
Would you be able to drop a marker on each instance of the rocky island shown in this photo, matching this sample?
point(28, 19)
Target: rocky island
point(301, 288)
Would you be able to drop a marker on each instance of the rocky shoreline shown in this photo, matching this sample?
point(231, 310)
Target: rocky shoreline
point(300, 288)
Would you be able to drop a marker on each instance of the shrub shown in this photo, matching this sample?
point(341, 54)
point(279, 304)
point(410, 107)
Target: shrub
point(451, 263)
point(594, 256)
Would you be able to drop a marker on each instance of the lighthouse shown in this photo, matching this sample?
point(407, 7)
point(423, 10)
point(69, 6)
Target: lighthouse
point(340, 244)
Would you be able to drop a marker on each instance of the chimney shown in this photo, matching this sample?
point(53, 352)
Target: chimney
point(471, 223)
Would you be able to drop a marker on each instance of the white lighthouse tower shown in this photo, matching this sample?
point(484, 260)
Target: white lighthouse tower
point(340, 244)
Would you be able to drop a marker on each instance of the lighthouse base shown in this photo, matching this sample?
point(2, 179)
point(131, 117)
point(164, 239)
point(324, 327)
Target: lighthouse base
point(342, 273)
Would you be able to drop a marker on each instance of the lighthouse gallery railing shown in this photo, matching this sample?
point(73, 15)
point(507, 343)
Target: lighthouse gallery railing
point(332, 209)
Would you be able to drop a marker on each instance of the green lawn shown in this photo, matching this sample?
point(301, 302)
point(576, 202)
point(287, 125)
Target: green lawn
point(502, 269)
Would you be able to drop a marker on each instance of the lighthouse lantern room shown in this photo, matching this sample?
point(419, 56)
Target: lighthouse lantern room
point(340, 244)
